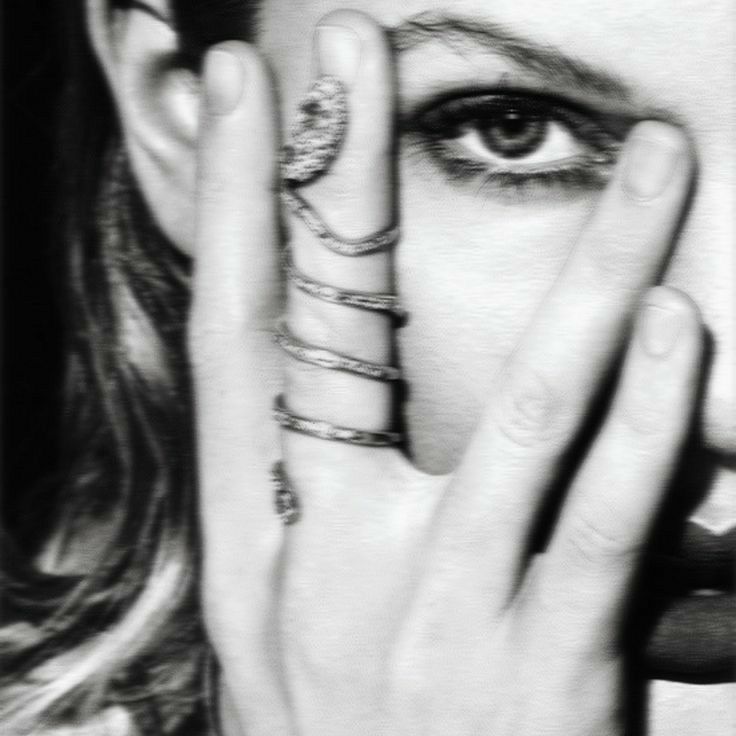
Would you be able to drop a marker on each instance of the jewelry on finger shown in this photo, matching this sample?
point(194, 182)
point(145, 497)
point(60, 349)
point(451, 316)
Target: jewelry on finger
point(344, 246)
point(286, 500)
point(384, 303)
point(317, 137)
point(318, 132)
point(324, 358)
point(325, 431)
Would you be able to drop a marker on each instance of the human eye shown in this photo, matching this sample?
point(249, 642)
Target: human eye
point(512, 141)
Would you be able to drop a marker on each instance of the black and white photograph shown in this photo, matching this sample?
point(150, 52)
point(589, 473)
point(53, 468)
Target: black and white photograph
point(369, 368)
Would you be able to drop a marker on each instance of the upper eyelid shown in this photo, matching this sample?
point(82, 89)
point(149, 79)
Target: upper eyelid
point(413, 102)
point(501, 91)
point(611, 126)
point(478, 103)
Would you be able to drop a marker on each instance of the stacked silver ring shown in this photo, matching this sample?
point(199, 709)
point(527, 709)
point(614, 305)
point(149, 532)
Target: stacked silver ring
point(287, 502)
point(317, 138)
point(328, 359)
point(322, 430)
point(386, 303)
point(343, 246)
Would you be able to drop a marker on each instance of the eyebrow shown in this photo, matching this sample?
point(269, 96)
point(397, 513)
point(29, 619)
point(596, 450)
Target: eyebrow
point(539, 58)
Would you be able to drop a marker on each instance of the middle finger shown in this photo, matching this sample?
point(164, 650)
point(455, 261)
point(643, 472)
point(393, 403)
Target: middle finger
point(355, 200)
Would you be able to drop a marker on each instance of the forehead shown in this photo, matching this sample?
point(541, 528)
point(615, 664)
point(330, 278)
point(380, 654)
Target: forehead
point(677, 57)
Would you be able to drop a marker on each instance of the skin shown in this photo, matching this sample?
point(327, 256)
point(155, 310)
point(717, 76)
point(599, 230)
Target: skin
point(440, 289)
point(507, 346)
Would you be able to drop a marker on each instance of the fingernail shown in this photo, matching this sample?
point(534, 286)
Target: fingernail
point(224, 82)
point(338, 52)
point(659, 330)
point(650, 166)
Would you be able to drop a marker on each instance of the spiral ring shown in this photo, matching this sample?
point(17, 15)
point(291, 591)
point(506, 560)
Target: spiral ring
point(384, 303)
point(331, 360)
point(285, 498)
point(317, 137)
point(326, 431)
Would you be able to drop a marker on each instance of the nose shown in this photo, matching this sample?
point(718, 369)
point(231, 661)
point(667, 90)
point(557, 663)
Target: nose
point(704, 266)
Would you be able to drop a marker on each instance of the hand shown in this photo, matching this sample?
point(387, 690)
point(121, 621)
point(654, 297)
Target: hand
point(402, 603)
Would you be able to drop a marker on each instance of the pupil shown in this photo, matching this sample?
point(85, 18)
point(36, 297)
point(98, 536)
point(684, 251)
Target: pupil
point(513, 133)
point(512, 124)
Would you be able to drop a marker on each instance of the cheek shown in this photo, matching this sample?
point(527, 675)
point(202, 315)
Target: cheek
point(472, 271)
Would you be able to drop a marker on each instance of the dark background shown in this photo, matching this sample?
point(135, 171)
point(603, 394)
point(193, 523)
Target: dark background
point(31, 324)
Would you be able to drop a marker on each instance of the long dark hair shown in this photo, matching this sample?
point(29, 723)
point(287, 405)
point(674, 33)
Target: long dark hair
point(102, 619)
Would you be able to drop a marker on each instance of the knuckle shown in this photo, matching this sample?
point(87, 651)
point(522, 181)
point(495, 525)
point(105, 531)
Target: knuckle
point(595, 541)
point(330, 326)
point(645, 411)
point(353, 197)
point(314, 325)
point(212, 339)
point(530, 411)
point(617, 258)
point(644, 421)
point(343, 199)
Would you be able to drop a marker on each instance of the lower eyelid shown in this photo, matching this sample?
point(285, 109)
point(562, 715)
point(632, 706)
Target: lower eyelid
point(512, 186)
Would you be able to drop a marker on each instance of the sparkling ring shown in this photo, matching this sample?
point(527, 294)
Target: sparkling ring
point(318, 132)
point(287, 502)
point(328, 359)
point(343, 246)
point(386, 303)
point(317, 137)
point(325, 431)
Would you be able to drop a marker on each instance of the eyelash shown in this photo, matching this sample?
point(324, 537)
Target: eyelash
point(432, 127)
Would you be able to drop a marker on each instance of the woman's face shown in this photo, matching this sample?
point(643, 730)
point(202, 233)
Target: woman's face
point(492, 199)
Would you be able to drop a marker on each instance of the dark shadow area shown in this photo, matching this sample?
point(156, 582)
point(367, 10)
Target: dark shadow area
point(31, 325)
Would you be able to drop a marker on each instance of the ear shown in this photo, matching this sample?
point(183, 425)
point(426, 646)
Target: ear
point(157, 104)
